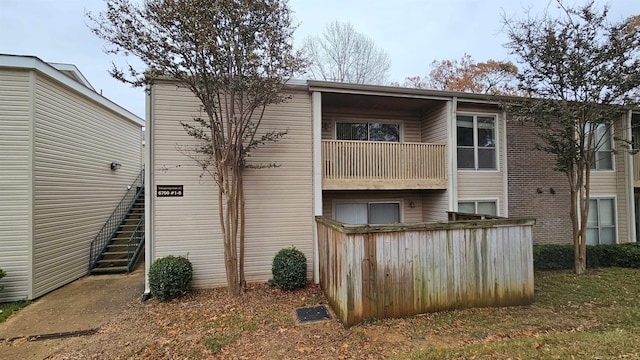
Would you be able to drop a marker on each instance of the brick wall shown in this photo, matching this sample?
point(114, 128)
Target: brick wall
point(531, 180)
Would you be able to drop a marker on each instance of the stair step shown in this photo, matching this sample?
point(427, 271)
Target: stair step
point(126, 240)
point(109, 270)
point(111, 262)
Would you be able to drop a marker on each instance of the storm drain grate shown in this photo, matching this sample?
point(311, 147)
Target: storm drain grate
point(311, 314)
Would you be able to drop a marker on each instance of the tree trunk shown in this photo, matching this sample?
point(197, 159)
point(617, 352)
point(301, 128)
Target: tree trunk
point(228, 224)
point(242, 282)
point(578, 267)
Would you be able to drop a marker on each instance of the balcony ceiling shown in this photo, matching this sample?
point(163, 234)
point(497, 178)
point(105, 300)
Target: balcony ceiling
point(377, 102)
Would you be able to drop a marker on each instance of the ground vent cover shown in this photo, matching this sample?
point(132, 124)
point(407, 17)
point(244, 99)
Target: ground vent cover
point(312, 314)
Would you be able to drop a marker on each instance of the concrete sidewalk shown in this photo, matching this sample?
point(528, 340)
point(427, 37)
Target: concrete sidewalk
point(80, 307)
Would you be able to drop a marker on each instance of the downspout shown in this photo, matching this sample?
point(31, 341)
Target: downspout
point(452, 108)
point(505, 170)
point(149, 198)
point(316, 115)
point(629, 184)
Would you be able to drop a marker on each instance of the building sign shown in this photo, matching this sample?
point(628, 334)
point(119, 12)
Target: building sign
point(169, 190)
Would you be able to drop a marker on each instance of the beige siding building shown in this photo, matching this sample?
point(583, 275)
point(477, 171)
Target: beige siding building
point(364, 154)
point(279, 201)
point(58, 138)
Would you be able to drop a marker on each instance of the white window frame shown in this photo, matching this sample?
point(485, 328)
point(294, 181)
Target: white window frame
point(476, 201)
point(400, 124)
point(594, 166)
point(635, 131)
point(615, 214)
point(496, 140)
point(368, 202)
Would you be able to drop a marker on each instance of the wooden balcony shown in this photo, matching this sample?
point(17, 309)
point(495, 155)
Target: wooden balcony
point(364, 165)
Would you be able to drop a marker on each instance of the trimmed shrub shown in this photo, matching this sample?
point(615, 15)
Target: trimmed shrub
point(552, 257)
point(555, 257)
point(170, 277)
point(2, 274)
point(289, 269)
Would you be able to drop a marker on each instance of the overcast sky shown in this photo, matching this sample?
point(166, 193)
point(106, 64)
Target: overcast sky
point(412, 32)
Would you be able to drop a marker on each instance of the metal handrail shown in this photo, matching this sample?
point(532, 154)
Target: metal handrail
point(108, 230)
point(133, 246)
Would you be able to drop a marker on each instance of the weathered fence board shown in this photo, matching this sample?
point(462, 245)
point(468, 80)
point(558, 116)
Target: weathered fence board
point(393, 271)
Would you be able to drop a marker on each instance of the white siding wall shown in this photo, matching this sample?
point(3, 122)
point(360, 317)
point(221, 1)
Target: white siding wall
point(606, 183)
point(279, 201)
point(435, 205)
point(15, 198)
point(434, 130)
point(485, 184)
point(74, 188)
point(434, 125)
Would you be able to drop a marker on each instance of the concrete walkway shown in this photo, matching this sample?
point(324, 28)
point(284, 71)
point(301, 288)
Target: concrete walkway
point(75, 309)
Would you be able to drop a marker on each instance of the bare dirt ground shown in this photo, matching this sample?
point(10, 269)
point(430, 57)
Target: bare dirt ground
point(261, 324)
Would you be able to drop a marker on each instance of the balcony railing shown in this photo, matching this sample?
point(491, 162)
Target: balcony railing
point(360, 165)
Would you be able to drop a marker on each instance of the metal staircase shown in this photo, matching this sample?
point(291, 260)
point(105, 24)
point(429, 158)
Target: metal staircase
point(120, 242)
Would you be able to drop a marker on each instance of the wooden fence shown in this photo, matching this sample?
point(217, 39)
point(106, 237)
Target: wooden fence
point(383, 271)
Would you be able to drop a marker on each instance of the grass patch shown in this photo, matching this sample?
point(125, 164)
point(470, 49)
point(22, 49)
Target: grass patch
point(217, 342)
point(593, 316)
point(6, 309)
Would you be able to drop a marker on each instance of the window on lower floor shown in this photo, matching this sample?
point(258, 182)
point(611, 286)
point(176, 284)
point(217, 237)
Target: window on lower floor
point(484, 207)
point(368, 212)
point(601, 222)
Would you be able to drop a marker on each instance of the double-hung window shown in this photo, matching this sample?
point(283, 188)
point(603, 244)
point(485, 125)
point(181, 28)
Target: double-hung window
point(601, 222)
point(635, 132)
point(476, 136)
point(368, 131)
point(484, 207)
point(368, 212)
point(601, 145)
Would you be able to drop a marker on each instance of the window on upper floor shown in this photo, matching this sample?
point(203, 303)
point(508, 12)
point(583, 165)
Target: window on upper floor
point(601, 222)
point(368, 131)
point(368, 212)
point(476, 135)
point(602, 143)
point(635, 132)
point(484, 207)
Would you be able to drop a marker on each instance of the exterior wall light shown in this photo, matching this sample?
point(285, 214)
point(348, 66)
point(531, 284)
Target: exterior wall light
point(115, 166)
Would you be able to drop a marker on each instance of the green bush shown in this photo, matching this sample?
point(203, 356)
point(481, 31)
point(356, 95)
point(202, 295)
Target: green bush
point(170, 277)
point(2, 274)
point(289, 269)
point(553, 257)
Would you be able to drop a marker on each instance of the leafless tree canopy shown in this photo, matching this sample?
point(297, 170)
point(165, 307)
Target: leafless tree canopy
point(345, 55)
point(235, 56)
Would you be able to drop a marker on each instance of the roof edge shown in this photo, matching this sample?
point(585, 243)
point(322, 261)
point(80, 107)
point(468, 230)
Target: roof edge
point(34, 63)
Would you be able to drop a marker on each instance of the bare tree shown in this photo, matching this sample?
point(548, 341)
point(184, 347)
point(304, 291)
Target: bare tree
point(345, 55)
point(235, 56)
point(580, 71)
